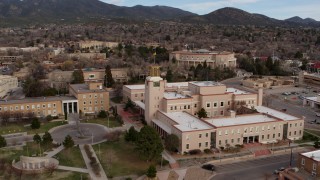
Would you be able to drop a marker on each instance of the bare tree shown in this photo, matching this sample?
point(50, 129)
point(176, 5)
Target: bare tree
point(50, 168)
point(18, 116)
point(5, 117)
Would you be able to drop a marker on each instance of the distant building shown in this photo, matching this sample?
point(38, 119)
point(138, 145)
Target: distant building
point(118, 74)
point(94, 56)
point(212, 58)
point(7, 83)
point(310, 162)
point(10, 58)
point(97, 44)
point(267, 82)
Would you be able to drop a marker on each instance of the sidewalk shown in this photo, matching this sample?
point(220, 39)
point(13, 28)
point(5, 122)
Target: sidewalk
point(67, 168)
point(86, 159)
point(55, 151)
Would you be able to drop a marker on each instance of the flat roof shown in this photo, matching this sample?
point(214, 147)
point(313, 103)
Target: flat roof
point(240, 120)
point(187, 122)
point(140, 104)
point(315, 99)
point(313, 154)
point(38, 99)
point(206, 83)
point(177, 84)
point(84, 88)
point(275, 113)
point(173, 95)
point(162, 125)
point(136, 87)
point(237, 91)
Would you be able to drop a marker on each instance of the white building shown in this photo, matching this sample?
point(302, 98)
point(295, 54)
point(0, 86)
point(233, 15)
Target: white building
point(7, 83)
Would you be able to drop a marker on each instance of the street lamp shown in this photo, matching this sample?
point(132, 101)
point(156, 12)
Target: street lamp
point(91, 137)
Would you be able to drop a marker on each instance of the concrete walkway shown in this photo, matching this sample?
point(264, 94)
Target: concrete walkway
point(55, 151)
point(86, 159)
point(67, 168)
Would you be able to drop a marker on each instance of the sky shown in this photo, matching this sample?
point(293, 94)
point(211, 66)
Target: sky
point(280, 9)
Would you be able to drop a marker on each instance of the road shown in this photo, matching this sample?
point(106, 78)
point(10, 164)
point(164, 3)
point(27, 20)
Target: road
point(253, 169)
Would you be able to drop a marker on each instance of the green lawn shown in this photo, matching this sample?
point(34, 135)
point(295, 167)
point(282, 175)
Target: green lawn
point(120, 159)
point(15, 128)
point(71, 157)
point(116, 99)
point(313, 132)
point(104, 121)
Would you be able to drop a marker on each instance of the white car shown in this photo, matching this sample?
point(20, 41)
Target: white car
point(318, 114)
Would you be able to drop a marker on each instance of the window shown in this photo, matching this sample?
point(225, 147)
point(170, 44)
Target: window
point(90, 96)
point(84, 102)
point(245, 130)
point(232, 132)
point(200, 135)
point(221, 104)
point(268, 127)
point(199, 145)
point(54, 105)
point(195, 105)
point(33, 106)
point(295, 132)
point(215, 104)
point(90, 102)
point(95, 96)
point(43, 106)
point(226, 132)
point(136, 95)
point(207, 144)
point(251, 128)
point(28, 107)
point(228, 103)
point(262, 128)
point(226, 141)
point(238, 140)
point(38, 106)
point(238, 131)
point(22, 108)
point(314, 166)
point(262, 137)
point(302, 161)
point(219, 142)
point(185, 107)
point(219, 133)
point(49, 105)
point(171, 108)
point(188, 106)
point(175, 107)
point(207, 134)
point(268, 136)
point(274, 126)
point(279, 134)
point(208, 105)
point(289, 133)
point(84, 96)
point(101, 102)
point(274, 135)
point(290, 125)
point(232, 141)
point(96, 102)
point(17, 107)
point(221, 112)
point(300, 132)
point(300, 124)
point(0, 108)
point(187, 146)
point(295, 124)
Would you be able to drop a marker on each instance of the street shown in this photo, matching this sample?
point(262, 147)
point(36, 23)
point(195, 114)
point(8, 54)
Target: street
point(253, 169)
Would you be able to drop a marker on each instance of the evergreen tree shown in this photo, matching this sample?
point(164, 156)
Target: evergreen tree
point(37, 138)
point(35, 124)
point(77, 76)
point(169, 75)
point(3, 142)
point(202, 113)
point(151, 172)
point(131, 135)
point(108, 80)
point(46, 139)
point(149, 143)
point(171, 142)
point(68, 142)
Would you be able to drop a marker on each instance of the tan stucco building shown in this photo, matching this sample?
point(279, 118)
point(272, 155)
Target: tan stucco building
point(213, 59)
point(118, 74)
point(171, 108)
point(7, 83)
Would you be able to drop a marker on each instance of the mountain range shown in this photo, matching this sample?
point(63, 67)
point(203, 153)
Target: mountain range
point(16, 12)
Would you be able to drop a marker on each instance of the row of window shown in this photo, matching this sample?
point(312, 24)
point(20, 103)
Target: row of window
point(27, 107)
point(90, 102)
point(180, 107)
point(96, 109)
point(295, 133)
point(136, 95)
point(215, 104)
point(231, 140)
point(90, 96)
point(251, 129)
point(296, 124)
point(206, 144)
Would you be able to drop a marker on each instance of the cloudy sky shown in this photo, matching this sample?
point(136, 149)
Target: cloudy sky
point(280, 9)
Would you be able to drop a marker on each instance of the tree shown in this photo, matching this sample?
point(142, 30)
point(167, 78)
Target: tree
point(171, 142)
point(3, 142)
point(149, 143)
point(151, 172)
point(68, 142)
point(37, 138)
point(202, 113)
point(317, 144)
point(298, 55)
point(77, 76)
point(46, 139)
point(102, 114)
point(5, 117)
point(50, 168)
point(131, 135)
point(169, 75)
point(108, 80)
point(129, 105)
point(35, 124)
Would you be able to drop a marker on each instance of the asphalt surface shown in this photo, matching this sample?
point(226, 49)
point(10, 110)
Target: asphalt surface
point(253, 169)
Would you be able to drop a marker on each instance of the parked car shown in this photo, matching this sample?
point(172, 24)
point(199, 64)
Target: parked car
point(286, 93)
point(318, 114)
point(279, 170)
point(301, 97)
point(209, 167)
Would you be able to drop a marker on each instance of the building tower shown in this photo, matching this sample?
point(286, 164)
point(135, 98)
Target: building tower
point(153, 93)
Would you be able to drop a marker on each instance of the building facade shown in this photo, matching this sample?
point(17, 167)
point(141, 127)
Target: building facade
point(118, 74)
point(310, 162)
point(213, 59)
point(172, 109)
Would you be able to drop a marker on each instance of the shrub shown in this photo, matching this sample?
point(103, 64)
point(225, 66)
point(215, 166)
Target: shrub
point(35, 124)
point(164, 162)
point(102, 114)
point(207, 151)
point(151, 172)
point(195, 151)
point(113, 136)
point(49, 118)
point(222, 148)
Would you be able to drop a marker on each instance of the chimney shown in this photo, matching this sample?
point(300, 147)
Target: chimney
point(260, 97)
point(232, 113)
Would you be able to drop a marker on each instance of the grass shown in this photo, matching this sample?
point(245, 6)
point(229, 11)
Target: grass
point(71, 157)
point(307, 137)
point(104, 122)
point(315, 132)
point(16, 128)
point(120, 159)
